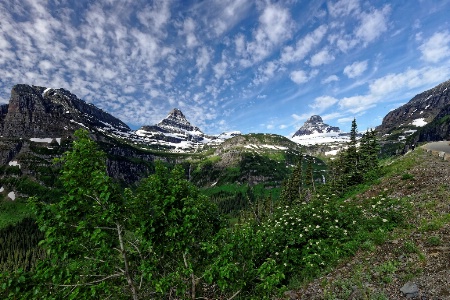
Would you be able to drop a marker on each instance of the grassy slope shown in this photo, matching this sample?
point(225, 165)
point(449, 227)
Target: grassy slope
point(419, 252)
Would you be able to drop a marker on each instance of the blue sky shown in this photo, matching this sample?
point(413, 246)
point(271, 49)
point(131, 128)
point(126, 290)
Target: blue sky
point(253, 66)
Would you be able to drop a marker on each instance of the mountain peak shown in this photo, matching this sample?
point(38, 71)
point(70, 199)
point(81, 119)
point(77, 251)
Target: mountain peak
point(176, 113)
point(315, 125)
point(315, 119)
point(176, 121)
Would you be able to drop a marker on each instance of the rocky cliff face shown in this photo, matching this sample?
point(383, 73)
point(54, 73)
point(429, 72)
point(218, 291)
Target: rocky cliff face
point(436, 130)
point(315, 125)
point(39, 112)
point(420, 110)
point(38, 125)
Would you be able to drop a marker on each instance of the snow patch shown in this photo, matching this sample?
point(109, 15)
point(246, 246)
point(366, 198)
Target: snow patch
point(12, 196)
point(46, 90)
point(411, 131)
point(320, 138)
point(332, 152)
point(42, 140)
point(14, 163)
point(45, 140)
point(81, 124)
point(419, 122)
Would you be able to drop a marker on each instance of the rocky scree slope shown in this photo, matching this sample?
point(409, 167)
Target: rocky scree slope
point(413, 262)
point(436, 130)
point(420, 110)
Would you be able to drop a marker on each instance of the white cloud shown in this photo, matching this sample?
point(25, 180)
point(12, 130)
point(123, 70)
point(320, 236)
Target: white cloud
point(323, 102)
point(220, 69)
point(359, 103)
point(436, 47)
point(304, 45)
point(300, 76)
point(345, 120)
point(394, 85)
point(220, 16)
point(346, 43)
point(155, 16)
point(266, 72)
point(322, 57)
point(275, 26)
point(301, 117)
point(239, 43)
point(373, 24)
point(410, 79)
point(189, 29)
point(355, 69)
point(202, 59)
point(332, 116)
point(330, 78)
point(342, 7)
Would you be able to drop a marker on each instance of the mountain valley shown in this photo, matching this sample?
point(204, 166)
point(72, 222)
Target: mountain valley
point(246, 175)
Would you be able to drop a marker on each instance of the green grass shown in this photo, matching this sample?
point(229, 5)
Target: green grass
point(12, 212)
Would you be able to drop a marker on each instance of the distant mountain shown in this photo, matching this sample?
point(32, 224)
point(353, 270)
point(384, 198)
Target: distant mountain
point(315, 132)
point(251, 159)
point(315, 125)
point(174, 129)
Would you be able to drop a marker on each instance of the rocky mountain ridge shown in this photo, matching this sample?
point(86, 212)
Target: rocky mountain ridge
point(425, 118)
point(419, 111)
point(174, 129)
point(315, 125)
point(39, 112)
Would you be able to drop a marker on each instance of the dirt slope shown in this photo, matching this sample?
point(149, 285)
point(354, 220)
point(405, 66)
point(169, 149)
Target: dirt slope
point(413, 262)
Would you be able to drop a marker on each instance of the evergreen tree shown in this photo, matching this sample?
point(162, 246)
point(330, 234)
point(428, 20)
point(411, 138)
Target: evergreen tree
point(368, 153)
point(351, 159)
point(293, 187)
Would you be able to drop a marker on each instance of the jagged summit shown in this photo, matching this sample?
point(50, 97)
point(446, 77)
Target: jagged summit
point(315, 125)
point(177, 122)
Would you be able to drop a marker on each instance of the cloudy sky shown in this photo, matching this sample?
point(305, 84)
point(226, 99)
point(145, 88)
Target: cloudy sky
point(253, 66)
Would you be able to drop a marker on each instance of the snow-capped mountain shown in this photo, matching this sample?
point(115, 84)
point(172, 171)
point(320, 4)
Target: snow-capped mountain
point(177, 122)
point(36, 112)
point(315, 125)
point(315, 131)
point(175, 128)
point(176, 132)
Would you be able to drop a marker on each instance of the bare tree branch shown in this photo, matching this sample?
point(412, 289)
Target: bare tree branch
point(125, 261)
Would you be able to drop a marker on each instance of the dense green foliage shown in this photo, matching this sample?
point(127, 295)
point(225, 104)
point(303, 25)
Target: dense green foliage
point(104, 242)
point(166, 239)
